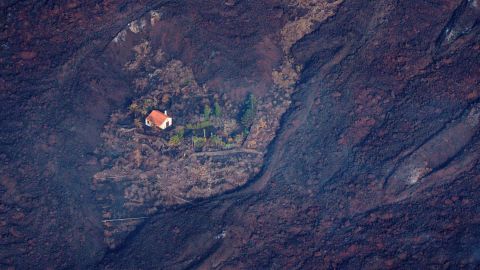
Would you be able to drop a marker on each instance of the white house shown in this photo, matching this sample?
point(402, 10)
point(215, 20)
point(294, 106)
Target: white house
point(158, 119)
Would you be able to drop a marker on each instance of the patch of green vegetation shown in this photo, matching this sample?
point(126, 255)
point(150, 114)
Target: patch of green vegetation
point(200, 125)
point(142, 107)
point(206, 112)
point(217, 141)
point(249, 111)
point(176, 139)
point(229, 145)
point(148, 102)
point(217, 110)
point(199, 141)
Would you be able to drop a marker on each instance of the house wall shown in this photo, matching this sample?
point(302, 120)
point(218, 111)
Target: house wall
point(164, 125)
point(167, 123)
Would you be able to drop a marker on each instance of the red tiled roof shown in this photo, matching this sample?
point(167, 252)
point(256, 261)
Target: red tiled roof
point(157, 117)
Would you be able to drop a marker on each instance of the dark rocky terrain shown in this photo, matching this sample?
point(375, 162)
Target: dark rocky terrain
point(373, 162)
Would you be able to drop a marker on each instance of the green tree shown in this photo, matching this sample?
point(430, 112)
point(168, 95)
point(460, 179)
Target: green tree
point(249, 111)
point(207, 111)
point(176, 139)
point(217, 111)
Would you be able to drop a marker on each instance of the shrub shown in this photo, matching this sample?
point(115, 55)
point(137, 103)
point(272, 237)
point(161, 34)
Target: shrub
point(142, 107)
point(217, 141)
point(176, 139)
point(199, 141)
point(138, 123)
point(229, 145)
point(148, 102)
point(133, 107)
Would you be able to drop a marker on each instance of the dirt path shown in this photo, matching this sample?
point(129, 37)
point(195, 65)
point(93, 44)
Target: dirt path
point(227, 152)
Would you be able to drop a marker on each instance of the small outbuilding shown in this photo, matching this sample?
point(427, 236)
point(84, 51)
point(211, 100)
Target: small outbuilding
point(158, 119)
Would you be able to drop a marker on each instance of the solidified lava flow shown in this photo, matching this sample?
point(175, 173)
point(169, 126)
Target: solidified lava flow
point(305, 134)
